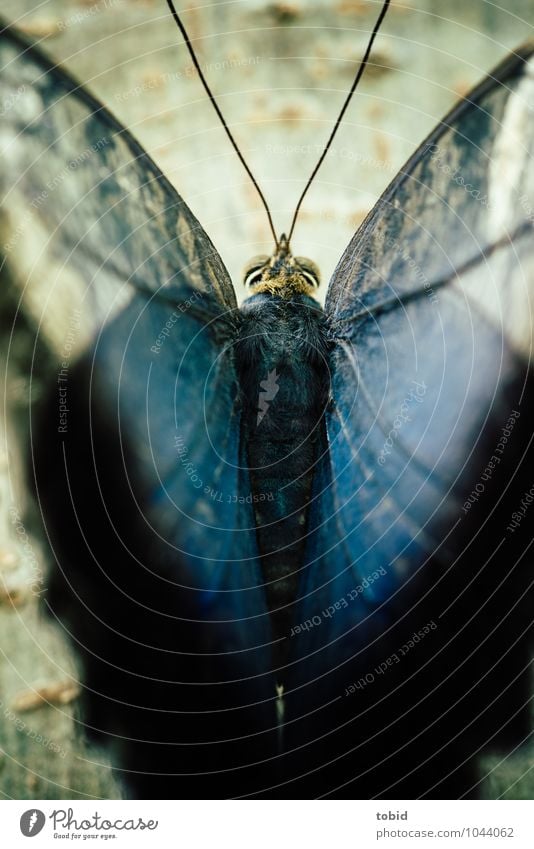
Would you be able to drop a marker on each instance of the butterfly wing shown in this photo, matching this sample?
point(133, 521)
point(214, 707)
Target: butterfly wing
point(118, 306)
point(411, 637)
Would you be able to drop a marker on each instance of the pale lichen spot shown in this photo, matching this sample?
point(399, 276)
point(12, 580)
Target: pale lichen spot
point(511, 158)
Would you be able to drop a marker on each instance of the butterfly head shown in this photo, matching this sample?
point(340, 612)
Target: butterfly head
point(282, 273)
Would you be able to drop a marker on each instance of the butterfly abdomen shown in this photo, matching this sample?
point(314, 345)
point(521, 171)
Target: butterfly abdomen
point(283, 375)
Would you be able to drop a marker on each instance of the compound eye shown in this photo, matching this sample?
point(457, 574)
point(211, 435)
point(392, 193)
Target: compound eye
point(254, 270)
point(309, 270)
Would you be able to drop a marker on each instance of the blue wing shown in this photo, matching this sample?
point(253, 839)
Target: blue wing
point(427, 460)
point(125, 317)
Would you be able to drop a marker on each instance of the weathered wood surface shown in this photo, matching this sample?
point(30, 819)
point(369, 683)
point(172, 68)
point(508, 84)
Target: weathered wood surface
point(280, 71)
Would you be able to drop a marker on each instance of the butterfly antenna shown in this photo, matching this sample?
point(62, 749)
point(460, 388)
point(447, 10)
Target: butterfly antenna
point(344, 108)
point(215, 105)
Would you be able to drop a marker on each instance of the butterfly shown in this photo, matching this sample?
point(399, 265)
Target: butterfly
point(290, 544)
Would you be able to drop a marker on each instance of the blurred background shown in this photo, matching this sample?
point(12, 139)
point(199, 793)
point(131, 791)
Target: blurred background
point(280, 71)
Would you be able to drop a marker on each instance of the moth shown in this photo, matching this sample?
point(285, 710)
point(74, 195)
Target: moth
point(291, 545)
